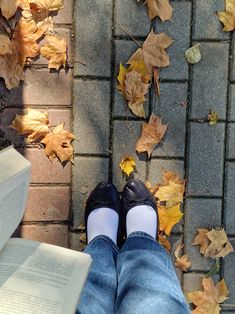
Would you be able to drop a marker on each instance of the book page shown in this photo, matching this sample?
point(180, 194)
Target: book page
point(40, 278)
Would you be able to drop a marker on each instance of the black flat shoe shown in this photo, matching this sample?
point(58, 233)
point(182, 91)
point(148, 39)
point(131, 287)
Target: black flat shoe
point(104, 195)
point(136, 193)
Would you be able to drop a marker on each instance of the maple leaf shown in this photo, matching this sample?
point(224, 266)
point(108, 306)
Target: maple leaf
point(202, 240)
point(181, 262)
point(55, 51)
point(33, 124)
point(213, 118)
point(168, 217)
point(153, 51)
point(127, 165)
point(164, 242)
point(5, 45)
point(40, 9)
point(135, 91)
point(58, 144)
point(228, 17)
point(219, 246)
point(152, 188)
point(152, 133)
point(160, 8)
point(8, 8)
point(207, 301)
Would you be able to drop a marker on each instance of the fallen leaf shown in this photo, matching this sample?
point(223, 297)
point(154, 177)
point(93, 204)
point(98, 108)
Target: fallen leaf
point(183, 263)
point(41, 8)
point(207, 301)
point(34, 124)
point(160, 8)
point(219, 246)
point(55, 51)
point(228, 17)
point(5, 45)
point(121, 78)
point(193, 54)
point(202, 240)
point(141, 68)
point(169, 176)
point(152, 133)
point(171, 194)
point(178, 248)
point(152, 188)
point(8, 8)
point(164, 242)
point(11, 71)
point(213, 118)
point(58, 144)
point(153, 51)
point(128, 165)
point(156, 72)
point(168, 217)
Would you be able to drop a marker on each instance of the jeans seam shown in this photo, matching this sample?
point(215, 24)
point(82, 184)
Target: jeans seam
point(106, 239)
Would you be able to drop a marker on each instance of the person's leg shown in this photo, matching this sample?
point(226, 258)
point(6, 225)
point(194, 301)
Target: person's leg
point(147, 282)
point(99, 293)
point(102, 224)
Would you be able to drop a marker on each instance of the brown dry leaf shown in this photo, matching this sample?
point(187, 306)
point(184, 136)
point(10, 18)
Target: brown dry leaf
point(141, 68)
point(178, 248)
point(168, 217)
point(207, 301)
point(228, 17)
point(127, 165)
point(164, 242)
point(34, 124)
point(40, 9)
point(58, 144)
point(160, 8)
point(55, 50)
point(135, 91)
point(202, 240)
point(152, 133)
point(183, 263)
point(156, 73)
point(219, 246)
point(172, 190)
point(5, 45)
point(8, 8)
point(153, 51)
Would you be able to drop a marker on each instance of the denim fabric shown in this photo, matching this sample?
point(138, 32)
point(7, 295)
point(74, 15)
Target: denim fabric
point(138, 279)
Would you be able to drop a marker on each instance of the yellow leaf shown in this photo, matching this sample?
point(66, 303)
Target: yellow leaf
point(34, 124)
point(213, 118)
point(58, 144)
point(168, 217)
point(5, 45)
point(128, 165)
point(207, 301)
point(121, 78)
point(55, 51)
point(228, 17)
point(8, 8)
point(152, 133)
point(140, 67)
point(160, 8)
point(171, 194)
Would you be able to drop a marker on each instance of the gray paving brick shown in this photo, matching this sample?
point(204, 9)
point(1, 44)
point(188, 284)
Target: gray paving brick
point(200, 213)
point(229, 275)
point(232, 103)
point(125, 136)
point(124, 49)
point(231, 141)
point(133, 17)
point(156, 168)
point(209, 86)
point(206, 23)
point(181, 24)
point(87, 173)
point(170, 106)
point(232, 74)
point(93, 29)
point(91, 116)
point(206, 159)
point(193, 281)
point(229, 198)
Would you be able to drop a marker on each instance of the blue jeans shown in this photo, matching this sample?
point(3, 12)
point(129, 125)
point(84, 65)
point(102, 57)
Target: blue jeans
point(138, 279)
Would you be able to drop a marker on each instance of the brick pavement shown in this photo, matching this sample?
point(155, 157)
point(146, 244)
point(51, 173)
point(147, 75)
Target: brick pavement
point(107, 130)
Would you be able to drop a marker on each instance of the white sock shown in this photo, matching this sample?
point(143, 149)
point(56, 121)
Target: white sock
point(102, 221)
point(142, 218)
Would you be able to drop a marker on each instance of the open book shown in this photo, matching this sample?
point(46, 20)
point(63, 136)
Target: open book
point(34, 277)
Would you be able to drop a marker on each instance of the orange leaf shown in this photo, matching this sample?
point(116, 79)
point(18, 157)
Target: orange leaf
point(160, 8)
point(152, 133)
point(202, 240)
point(164, 242)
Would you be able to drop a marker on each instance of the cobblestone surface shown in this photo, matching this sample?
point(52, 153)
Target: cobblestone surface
point(107, 130)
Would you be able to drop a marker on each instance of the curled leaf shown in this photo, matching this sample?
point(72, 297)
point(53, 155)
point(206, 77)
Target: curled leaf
point(193, 54)
point(213, 118)
point(128, 165)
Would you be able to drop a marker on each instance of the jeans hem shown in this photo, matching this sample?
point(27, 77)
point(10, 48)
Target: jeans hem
point(106, 239)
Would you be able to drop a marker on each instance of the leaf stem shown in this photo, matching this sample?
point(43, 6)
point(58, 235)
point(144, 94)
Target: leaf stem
point(231, 305)
point(130, 35)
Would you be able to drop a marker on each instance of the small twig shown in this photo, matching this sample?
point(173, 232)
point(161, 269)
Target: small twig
point(130, 35)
